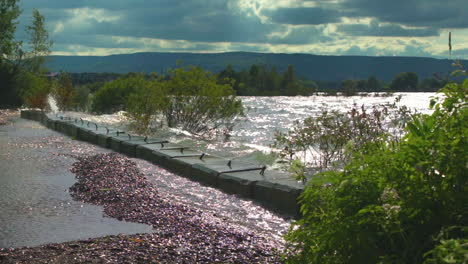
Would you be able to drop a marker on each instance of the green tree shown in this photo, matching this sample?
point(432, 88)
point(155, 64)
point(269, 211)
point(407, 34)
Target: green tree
point(145, 103)
point(31, 80)
point(198, 103)
point(36, 91)
point(405, 81)
point(308, 88)
point(81, 97)
point(9, 52)
point(9, 12)
point(349, 87)
point(39, 43)
point(113, 95)
point(373, 84)
point(273, 81)
point(64, 92)
point(430, 85)
point(9, 96)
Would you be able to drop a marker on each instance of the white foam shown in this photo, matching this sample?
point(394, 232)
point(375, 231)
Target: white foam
point(52, 104)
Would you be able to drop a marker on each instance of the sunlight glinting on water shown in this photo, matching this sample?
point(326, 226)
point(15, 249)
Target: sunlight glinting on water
point(252, 137)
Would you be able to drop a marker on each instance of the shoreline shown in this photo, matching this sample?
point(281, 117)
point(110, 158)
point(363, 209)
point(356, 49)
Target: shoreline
point(181, 236)
point(224, 245)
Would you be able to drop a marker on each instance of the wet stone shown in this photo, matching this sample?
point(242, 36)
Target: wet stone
point(128, 146)
point(146, 151)
point(65, 127)
point(279, 194)
point(86, 134)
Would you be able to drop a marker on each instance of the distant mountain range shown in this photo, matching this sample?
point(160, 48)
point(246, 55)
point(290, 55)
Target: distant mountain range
point(313, 67)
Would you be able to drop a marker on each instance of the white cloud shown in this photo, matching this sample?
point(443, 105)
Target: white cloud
point(107, 27)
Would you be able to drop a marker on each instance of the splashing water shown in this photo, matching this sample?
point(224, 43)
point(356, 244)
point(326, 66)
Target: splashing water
point(252, 138)
point(52, 103)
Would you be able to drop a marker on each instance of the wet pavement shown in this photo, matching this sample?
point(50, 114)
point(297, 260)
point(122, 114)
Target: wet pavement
point(35, 180)
point(35, 205)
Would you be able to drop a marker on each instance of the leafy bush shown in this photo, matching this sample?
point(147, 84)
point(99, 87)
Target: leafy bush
point(393, 200)
point(81, 97)
point(113, 95)
point(330, 138)
point(449, 251)
point(197, 103)
point(189, 98)
point(145, 103)
point(63, 91)
point(34, 90)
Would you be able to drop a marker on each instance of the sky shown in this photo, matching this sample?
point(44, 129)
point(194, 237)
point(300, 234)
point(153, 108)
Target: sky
point(325, 27)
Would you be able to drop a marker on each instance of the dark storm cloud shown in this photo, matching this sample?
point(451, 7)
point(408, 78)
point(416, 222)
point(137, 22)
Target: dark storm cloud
point(103, 4)
point(304, 16)
point(204, 20)
point(423, 13)
point(203, 25)
point(386, 30)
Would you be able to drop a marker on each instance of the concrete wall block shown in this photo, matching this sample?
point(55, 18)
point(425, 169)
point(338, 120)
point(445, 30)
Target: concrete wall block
point(164, 146)
point(116, 141)
point(41, 117)
point(50, 123)
point(31, 114)
point(129, 148)
point(204, 175)
point(180, 152)
point(160, 159)
point(26, 114)
point(179, 167)
point(281, 195)
point(103, 140)
point(85, 134)
point(60, 126)
point(143, 152)
point(73, 131)
point(68, 128)
point(239, 183)
point(115, 144)
point(225, 166)
point(274, 189)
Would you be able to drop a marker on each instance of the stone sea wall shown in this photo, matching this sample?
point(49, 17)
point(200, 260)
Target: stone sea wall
point(273, 189)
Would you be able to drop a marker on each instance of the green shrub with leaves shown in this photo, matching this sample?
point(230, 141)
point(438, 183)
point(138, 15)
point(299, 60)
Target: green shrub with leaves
point(81, 97)
point(35, 89)
point(198, 103)
point(113, 95)
point(328, 140)
point(63, 91)
point(145, 104)
point(395, 202)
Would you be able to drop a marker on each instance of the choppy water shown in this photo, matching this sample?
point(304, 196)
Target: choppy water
point(253, 136)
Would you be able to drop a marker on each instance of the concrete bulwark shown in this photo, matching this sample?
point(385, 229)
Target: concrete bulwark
point(273, 189)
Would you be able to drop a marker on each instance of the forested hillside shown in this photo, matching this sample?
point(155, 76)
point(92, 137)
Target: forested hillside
point(311, 67)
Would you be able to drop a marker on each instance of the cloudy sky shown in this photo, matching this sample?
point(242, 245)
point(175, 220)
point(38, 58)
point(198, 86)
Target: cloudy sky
point(328, 27)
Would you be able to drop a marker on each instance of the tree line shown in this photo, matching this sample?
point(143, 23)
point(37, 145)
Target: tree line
point(261, 80)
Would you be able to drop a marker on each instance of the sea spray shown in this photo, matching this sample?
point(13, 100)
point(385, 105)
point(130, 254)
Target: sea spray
point(52, 104)
point(267, 116)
